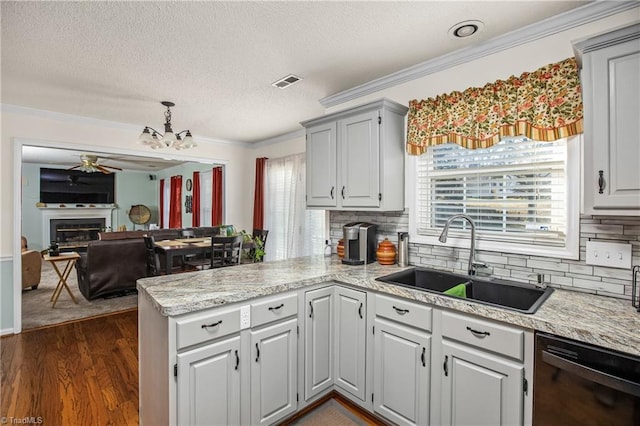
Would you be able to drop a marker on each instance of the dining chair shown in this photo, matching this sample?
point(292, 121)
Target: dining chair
point(153, 260)
point(193, 260)
point(226, 251)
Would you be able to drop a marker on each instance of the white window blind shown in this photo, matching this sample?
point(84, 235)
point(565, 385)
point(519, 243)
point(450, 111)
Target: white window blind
point(515, 191)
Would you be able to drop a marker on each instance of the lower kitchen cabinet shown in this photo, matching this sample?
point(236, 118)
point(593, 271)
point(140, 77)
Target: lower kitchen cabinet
point(401, 372)
point(274, 370)
point(318, 342)
point(480, 388)
point(208, 387)
point(350, 341)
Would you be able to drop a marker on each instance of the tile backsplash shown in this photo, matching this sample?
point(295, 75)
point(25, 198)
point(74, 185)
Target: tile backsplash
point(561, 273)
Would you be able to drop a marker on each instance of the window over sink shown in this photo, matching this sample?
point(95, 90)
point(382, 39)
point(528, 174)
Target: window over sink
point(522, 194)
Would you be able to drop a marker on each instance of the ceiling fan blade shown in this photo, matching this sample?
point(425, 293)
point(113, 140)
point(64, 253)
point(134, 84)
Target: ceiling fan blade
point(111, 167)
point(102, 169)
point(75, 167)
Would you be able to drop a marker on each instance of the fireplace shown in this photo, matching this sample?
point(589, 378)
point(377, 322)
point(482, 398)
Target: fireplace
point(73, 227)
point(74, 234)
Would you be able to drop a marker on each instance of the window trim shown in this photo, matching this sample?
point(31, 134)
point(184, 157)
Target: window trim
point(460, 239)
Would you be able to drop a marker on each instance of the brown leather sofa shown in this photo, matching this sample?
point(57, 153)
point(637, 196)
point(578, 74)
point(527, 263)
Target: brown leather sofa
point(31, 266)
point(112, 265)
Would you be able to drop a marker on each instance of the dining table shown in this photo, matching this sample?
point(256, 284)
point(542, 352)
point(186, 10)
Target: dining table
point(185, 246)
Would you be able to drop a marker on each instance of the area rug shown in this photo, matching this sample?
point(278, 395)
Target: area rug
point(36, 304)
point(330, 413)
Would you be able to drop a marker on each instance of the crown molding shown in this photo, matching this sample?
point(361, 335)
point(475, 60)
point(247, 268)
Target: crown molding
point(553, 25)
point(300, 133)
point(77, 119)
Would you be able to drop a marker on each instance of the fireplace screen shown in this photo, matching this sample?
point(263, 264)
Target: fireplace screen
point(74, 234)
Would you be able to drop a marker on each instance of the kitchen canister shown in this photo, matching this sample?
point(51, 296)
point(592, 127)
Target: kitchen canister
point(386, 253)
point(340, 248)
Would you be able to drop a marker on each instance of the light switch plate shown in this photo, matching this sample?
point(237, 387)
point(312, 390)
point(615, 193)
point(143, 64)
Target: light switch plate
point(613, 255)
point(245, 317)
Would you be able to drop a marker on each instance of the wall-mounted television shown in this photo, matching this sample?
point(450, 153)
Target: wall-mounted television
point(76, 187)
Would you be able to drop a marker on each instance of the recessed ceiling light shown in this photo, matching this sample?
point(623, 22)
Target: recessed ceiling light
point(286, 81)
point(465, 29)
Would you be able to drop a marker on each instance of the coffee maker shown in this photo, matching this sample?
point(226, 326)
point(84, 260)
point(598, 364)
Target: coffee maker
point(359, 243)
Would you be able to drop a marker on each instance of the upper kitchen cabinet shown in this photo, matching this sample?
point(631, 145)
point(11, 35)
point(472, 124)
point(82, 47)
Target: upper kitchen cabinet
point(611, 91)
point(355, 158)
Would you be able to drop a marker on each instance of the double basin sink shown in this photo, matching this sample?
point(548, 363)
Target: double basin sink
point(504, 294)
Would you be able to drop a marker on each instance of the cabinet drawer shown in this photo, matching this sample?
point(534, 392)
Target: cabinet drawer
point(504, 340)
point(405, 312)
point(274, 309)
point(197, 328)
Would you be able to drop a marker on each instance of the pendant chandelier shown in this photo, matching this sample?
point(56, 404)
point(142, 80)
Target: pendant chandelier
point(169, 139)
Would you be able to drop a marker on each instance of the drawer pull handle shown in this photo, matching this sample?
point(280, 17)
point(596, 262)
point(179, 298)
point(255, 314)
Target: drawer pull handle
point(215, 324)
point(445, 366)
point(360, 310)
point(257, 353)
point(237, 359)
point(310, 310)
point(275, 308)
point(480, 334)
point(600, 182)
point(424, 362)
point(401, 311)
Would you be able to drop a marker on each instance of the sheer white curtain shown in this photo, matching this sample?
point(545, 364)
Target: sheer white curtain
point(294, 231)
point(166, 190)
point(206, 197)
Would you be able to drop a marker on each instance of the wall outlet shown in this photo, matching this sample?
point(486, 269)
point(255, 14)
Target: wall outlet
point(245, 317)
point(613, 255)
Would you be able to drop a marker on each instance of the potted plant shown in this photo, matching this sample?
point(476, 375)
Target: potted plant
point(256, 254)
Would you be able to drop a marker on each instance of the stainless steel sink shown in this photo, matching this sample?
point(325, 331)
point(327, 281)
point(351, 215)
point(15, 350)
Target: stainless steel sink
point(505, 294)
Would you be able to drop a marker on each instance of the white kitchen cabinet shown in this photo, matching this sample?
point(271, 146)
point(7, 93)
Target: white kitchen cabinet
point(350, 340)
point(274, 372)
point(209, 384)
point(355, 158)
point(402, 360)
point(483, 372)
point(480, 388)
point(401, 374)
point(611, 95)
point(318, 342)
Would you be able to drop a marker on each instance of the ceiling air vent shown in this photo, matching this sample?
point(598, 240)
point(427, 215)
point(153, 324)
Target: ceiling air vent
point(286, 81)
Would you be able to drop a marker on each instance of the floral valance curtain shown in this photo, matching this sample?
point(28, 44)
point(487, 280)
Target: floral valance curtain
point(544, 105)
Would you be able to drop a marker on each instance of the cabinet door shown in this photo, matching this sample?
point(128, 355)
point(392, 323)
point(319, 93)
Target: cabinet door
point(351, 328)
point(208, 388)
point(274, 372)
point(318, 344)
point(360, 160)
point(401, 375)
point(612, 148)
point(321, 166)
point(480, 388)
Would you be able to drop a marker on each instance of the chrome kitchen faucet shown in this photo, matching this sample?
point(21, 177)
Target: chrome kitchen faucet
point(472, 253)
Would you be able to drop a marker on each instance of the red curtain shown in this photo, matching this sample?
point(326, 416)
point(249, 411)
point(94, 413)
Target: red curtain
point(195, 219)
point(216, 208)
point(175, 208)
point(258, 197)
point(161, 203)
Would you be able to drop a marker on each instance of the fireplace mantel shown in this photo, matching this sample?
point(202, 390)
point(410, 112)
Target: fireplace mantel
point(49, 213)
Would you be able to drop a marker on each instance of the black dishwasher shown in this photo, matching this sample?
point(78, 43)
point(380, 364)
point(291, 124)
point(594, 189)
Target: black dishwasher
point(581, 384)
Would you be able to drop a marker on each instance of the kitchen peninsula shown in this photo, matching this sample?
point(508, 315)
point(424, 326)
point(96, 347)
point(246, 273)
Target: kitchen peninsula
point(253, 329)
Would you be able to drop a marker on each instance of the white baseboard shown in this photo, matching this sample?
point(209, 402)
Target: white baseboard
point(6, 331)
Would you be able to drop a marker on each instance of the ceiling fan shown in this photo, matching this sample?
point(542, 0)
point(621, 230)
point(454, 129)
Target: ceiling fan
point(89, 164)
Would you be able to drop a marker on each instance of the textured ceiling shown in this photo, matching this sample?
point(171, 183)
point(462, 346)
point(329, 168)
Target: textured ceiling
point(216, 60)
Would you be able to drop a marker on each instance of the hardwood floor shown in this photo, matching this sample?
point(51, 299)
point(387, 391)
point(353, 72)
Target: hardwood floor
point(82, 373)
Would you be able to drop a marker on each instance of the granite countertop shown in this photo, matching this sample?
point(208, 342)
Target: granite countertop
point(604, 321)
